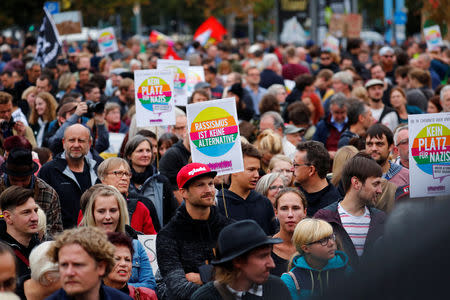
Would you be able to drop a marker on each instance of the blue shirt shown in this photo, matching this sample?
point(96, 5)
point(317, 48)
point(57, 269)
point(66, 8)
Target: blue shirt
point(256, 97)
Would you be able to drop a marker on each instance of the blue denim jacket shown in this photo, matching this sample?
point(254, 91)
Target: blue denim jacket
point(142, 273)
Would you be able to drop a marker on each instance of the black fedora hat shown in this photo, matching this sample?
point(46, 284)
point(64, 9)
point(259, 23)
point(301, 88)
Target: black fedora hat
point(19, 163)
point(239, 238)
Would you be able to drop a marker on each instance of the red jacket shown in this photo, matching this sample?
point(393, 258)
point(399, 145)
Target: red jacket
point(140, 220)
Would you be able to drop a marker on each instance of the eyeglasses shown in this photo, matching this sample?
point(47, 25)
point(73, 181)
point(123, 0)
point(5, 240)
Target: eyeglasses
point(284, 171)
point(388, 56)
point(299, 165)
point(325, 240)
point(120, 174)
point(276, 187)
point(325, 58)
point(403, 142)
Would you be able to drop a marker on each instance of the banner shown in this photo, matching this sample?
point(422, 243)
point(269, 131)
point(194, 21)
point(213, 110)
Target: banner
point(68, 22)
point(180, 69)
point(433, 37)
point(48, 43)
point(196, 74)
point(429, 154)
point(214, 135)
point(107, 42)
point(154, 97)
point(149, 243)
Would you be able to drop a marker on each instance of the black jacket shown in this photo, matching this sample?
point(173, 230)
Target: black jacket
point(182, 246)
point(58, 175)
point(321, 199)
point(345, 138)
point(255, 207)
point(22, 260)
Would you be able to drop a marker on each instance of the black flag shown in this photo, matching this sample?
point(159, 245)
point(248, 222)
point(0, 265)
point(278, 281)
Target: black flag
point(48, 43)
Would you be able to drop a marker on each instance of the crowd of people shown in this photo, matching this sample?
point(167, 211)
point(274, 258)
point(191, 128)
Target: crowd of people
point(325, 148)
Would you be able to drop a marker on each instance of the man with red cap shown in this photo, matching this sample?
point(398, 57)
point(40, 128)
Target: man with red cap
point(184, 247)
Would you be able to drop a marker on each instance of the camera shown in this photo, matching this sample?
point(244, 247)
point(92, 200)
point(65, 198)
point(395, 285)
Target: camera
point(7, 128)
point(95, 107)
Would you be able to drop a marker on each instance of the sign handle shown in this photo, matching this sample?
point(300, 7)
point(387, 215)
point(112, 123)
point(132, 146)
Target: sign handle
point(224, 202)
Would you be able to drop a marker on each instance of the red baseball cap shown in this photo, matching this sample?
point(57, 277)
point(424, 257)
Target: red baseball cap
point(192, 171)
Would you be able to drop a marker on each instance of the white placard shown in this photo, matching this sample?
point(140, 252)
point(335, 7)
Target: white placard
point(433, 36)
point(107, 42)
point(196, 74)
point(180, 69)
point(154, 98)
point(429, 154)
point(115, 142)
point(214, 135)
point(149, 243)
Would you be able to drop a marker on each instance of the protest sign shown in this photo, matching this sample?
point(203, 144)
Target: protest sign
point(180, 70)
point(107, 42)
point(68, 22)
point(354, 25)
point(214, 135)
point(429, 154)
point(196, 74)
point(149, 243)
point(337, 25)
point(154, 98)
point(433, 37)
point(331, 44)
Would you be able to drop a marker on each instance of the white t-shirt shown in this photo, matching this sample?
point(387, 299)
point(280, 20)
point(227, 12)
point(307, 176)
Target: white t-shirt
point(356, 227)
point(390, 119)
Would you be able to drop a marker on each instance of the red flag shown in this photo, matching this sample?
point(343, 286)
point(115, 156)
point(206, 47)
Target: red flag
point(211, 28)
point(171, 54)
point(156, 36)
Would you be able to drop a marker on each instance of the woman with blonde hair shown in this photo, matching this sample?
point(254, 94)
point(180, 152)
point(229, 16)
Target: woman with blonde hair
point(269, 144)
point(67, 83)
point(280, 163)
point(29, 95)
point(317, 264)
point(360, 93)
point(42, 113)
point(44, 279)
point(340, 158)
point(107, 210)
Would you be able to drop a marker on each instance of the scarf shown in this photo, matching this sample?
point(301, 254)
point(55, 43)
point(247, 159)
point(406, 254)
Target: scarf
point(140, 178)
point(114, 127)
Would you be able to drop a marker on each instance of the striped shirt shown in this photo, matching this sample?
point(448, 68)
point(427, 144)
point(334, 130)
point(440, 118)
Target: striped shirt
point(356, 227)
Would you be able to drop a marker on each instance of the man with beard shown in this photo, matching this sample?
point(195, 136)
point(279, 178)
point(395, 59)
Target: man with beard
point(379, 144)
point(311, 164)
point(383, 114)
point(185, 245)
point(72, 172)
point(355, 222)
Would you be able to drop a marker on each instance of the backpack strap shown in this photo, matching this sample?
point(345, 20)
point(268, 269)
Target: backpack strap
point(22, 257)
point(131, 205)
point(294, 278)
